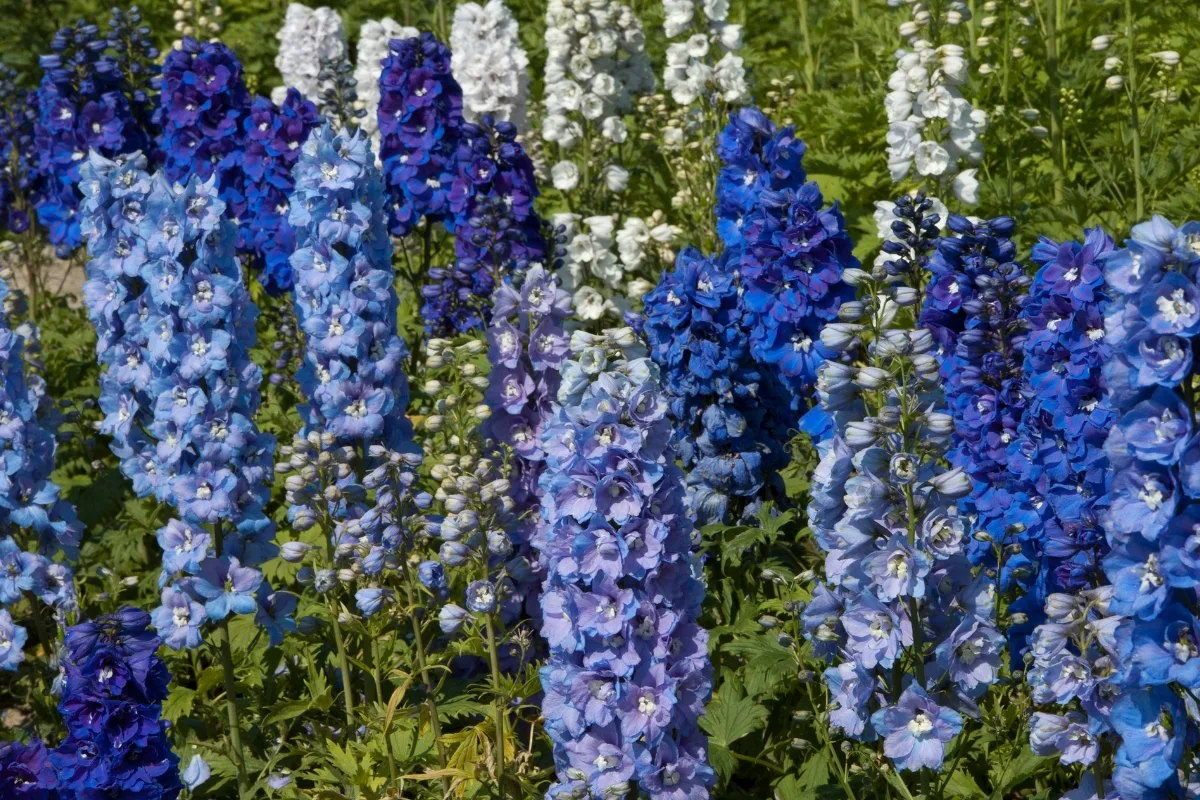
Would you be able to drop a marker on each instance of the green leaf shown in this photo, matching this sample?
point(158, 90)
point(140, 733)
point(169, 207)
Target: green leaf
point(767, 663)
point(286, 711)
point(961, 784)
point(722, 761)
point(178, 703)
point(732, 716)
point(1016, 771)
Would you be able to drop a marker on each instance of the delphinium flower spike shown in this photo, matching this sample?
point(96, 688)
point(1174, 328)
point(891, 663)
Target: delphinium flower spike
point(1115, 657)
point(420, 120)
point(273, 137)
point(174, 324)
point(18, 115)
point(356, 437)
point(1058, 454)
point(86, 102)
point(628, 673)
point(309, 37)
point(212, 127)
point(497, 232)
point(788, 250)
point(489, 63)
point(116, 745)
point(973, 307)
point(898, 587)
point(372, 49)
point(36, 524)
point(596, 64)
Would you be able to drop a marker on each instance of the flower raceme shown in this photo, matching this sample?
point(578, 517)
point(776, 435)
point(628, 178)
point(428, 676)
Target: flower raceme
point(355, 390)
point(420, 121)
point(628, 674)
point(174, 324)
point(36, 524)
point(898, 585)
point(489, 63)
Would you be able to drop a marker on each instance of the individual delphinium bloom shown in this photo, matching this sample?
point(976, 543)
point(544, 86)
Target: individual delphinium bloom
point(372, 49)
point(730, 442)
point(116, 743)
point(900, 602)
point(175, 323)
point(497, 231)
point(39, 531)
point(489, 63)
point(274, 134)
point(420, 118)
point(26, 771)
point(596, 65)
point(788, 249)
point(86, 102)
point(204, 113)
point(308, 37)
point(1058, 453)
point(974, 302)
point(628, 673)
point(932, 127)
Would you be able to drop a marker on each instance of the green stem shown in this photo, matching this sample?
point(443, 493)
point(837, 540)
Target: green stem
point(498, 701)
point(226, 654)
point(810, 73)
point(1131, 87)
point(343, 663)
point(1053, 87)
point(377, 674)
point(422, 665)
point(235, 732)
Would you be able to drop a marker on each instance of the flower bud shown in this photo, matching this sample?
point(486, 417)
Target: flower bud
point(294, 552)
point(837, 336)
point(953, 483)
point(1101, 43)
point(1114, 83)
point(872, 378)
point(851, 311)
point(855, 276)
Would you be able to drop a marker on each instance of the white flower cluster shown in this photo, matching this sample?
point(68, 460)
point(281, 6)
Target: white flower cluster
point(307, 37)
point(596, 63)
point(932, 127)
point(373, 38)
point(693, 70)
point(198, 18)
point(597, 249)
point(489, 63)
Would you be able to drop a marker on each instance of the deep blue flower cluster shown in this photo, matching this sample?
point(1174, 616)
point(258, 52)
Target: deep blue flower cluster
point(628, 674)
point(721, 399)
point(174, 324)
point(1057, 458)
point(116, 744)
point(18, 115)
point(1121, 651)
point(496, 230)
point(788, 249)
point(88, 100)
point(35, 522)
point(352, 374)
point(274, 135)
point(420, 121)
point(26, 768)
point(899, 589)
point(973, 307)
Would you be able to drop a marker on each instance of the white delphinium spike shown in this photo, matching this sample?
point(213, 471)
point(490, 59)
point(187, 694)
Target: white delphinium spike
point(705, 63)
point(307, 36)
point(924, 88)
point(489, 63)
point(596, 63)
